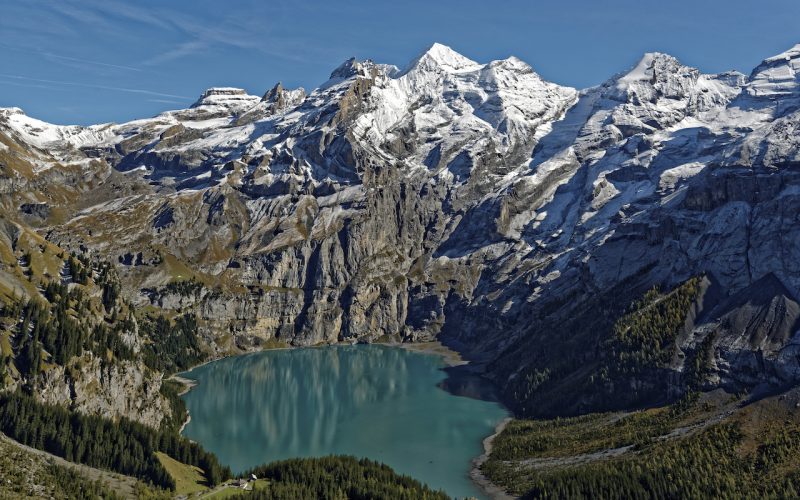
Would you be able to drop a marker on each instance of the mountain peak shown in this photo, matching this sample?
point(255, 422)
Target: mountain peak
point(646, 66)
point(788, 59)
point(281, 98)
point(353, 67)
point(222, 95)
point(512, 63)
point(442, 57)
point(276, 90)
point(792, 53)
point(222, 91)
point(778, 75)
point(5, 112)
point(447, 56)
point(346, 69)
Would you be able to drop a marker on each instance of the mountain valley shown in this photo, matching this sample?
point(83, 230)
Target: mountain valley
point(606, 253)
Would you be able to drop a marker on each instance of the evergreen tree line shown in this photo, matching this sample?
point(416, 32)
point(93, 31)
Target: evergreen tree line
point(61, 326)
point(173, 347)
point(4, 361)
point(645, 337)
point(171, 389)
point(338, 478)
point(589, 433)
point(49, 327)
point(706, 465)
point(618, 340)
point(184, 288)
point(78, 270)
point(67, 484)
point(126, 447)
point(110, 285)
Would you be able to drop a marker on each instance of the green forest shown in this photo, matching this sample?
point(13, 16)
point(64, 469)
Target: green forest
point(68, 323)
point(645, 336)
point(67, 484)
point(616, 355)
point(750, 455)
point(706, 465)
point(26, 474)
point(125, 446)
point(57, 328)
point(173, 345)
point(338, 478)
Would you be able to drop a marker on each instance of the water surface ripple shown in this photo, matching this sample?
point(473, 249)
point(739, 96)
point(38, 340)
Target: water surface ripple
point(370, 401)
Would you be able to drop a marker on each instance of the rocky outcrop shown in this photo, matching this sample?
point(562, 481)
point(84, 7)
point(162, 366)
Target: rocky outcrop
point(750, 338)
point(127, 390)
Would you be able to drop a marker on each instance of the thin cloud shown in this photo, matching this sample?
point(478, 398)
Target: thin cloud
point(31, 85)
point(81, 62)
point(248, 27)
point(158, 18)
point(166, 101)
point(204, 38)
point(101, 14)
point(182, 50)
point(245, 29)
point(90, 62)
point(94, 86)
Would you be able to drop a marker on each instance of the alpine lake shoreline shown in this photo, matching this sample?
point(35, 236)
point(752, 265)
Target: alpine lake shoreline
point(451, 359)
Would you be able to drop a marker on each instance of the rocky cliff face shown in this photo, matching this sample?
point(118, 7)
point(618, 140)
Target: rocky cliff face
point(126, 390)
point(472, 202)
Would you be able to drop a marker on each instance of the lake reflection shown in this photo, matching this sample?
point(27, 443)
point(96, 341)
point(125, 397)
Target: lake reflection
point(369, 401)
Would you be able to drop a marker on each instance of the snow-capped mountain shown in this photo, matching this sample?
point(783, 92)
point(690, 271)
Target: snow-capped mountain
point(471, 201)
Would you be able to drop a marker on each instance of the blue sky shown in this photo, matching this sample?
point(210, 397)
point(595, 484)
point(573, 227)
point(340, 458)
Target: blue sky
point(90, 61)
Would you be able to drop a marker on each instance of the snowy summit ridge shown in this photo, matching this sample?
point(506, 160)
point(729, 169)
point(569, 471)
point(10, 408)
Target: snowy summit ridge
point(440, 56)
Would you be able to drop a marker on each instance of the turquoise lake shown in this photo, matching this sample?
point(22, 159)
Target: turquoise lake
point(371, 401)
